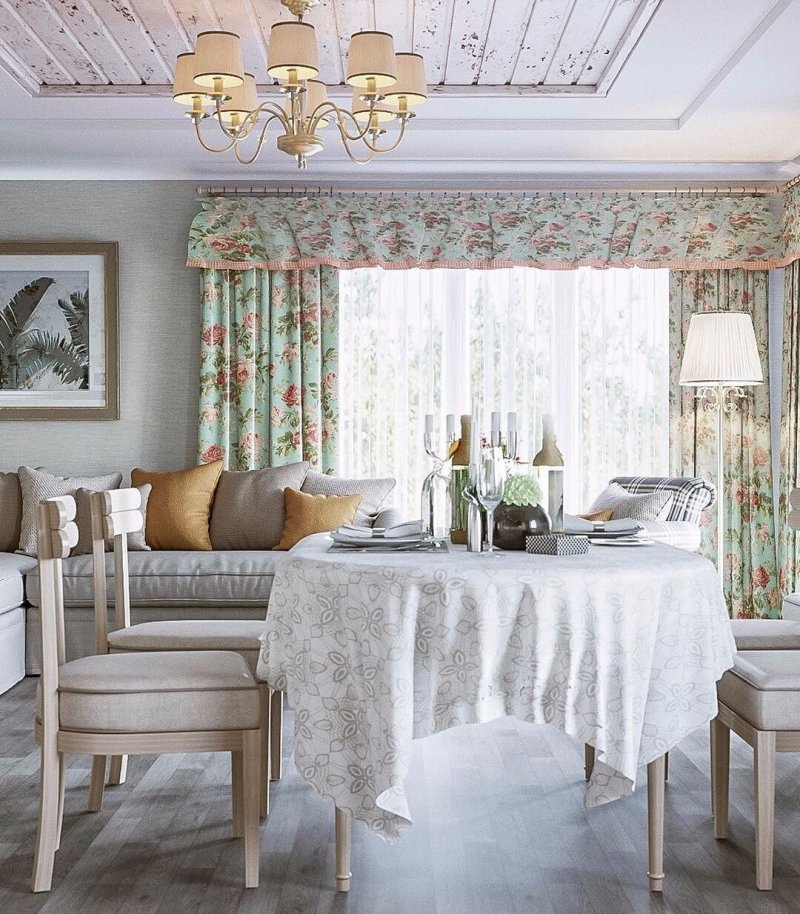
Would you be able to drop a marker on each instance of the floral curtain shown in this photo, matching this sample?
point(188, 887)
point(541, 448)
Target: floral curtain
point(788, 539)
point(268, 367)
point(550, 231)
point(750, 567)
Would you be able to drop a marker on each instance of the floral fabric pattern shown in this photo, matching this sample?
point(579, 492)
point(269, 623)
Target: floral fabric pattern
point(788, 539)
point(268, 368)
point(624, 655)
point(541, 230)
point(750, 565)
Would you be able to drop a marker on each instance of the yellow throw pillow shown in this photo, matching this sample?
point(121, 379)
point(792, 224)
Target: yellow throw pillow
point(179, 506)
point(307, 514)
point(603, 515)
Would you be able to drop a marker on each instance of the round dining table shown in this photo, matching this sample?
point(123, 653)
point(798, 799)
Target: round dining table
point(620, 647)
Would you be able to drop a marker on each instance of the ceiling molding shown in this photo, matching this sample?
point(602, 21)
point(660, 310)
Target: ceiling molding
point(626, 47)
point(738, 55)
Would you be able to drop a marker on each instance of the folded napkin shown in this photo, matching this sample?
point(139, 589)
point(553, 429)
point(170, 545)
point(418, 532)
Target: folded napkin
point(575, 524)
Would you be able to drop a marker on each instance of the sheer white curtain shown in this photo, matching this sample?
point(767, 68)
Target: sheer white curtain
point(588, 346)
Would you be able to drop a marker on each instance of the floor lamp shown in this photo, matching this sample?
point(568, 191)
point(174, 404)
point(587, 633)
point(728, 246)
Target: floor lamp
point(720, 360)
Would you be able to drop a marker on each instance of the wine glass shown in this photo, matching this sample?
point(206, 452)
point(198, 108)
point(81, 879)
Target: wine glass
point(491, 484)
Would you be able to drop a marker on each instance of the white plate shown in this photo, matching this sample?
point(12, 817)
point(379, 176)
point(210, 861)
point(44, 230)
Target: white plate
point(630, 542)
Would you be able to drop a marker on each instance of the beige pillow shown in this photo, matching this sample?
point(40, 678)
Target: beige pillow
point(37, 485)
point(307, 514)
point(248, 506)
point(179, 506)
point(373, 492)
point(603, 515)
point(136, 541)
point(10, 512)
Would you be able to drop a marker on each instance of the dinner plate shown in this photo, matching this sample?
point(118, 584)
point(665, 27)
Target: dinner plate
point(621, 542)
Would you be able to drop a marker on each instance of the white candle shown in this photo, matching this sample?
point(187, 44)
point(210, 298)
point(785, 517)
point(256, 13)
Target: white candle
point(474, 445)
point(429, 425)
point(451, 427)
point(495, 424)
point(512, 423)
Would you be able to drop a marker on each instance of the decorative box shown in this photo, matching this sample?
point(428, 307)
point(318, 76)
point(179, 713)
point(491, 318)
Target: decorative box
point(556, 544)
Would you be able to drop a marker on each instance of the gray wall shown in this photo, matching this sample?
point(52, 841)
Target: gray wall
point(159, 305)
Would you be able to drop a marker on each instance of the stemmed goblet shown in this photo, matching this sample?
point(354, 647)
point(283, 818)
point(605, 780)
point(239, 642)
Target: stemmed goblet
point(491, 485)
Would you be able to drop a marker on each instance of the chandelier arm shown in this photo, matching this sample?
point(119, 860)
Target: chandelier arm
point(341, 113)
point(393, 146)
point(206, 146)
point(275, 116)
point(353, 159)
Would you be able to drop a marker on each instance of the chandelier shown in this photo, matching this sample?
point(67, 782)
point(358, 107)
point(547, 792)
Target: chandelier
point(386, 86)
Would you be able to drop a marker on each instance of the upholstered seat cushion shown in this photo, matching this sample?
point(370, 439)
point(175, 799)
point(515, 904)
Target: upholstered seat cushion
point(764, 688)
point(766, 634)
point(163, 578)
point(13, 567)
point(157, 692)
point(240, 635)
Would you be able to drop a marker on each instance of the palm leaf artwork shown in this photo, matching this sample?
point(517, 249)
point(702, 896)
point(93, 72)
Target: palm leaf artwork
point(13, 320)
point(45, 352)
point(76, 312)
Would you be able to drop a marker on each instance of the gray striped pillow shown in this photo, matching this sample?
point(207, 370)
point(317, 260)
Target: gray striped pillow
point(653, 506)
point(373, 492)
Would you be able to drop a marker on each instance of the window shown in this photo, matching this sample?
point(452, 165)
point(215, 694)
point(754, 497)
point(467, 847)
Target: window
point(588, 346)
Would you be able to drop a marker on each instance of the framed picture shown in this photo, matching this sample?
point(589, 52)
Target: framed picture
point(59, 330)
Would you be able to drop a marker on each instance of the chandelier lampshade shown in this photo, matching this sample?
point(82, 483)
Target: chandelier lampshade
point(721, 349)
point(184, 89)
point(316, 94)
point(371, 57)
point(410, 80)
point(292, 47)
point(218, 57)
point(361, 110)
point(243, 99)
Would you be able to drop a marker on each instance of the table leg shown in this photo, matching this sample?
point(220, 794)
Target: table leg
point(655, 823)
point(343, 837)
point(588, 760)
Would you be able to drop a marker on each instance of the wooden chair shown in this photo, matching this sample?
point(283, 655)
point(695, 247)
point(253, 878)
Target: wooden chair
point(114, 704)
point(759, 699)
point(239, 635)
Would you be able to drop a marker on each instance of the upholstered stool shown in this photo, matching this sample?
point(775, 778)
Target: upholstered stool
point(759, 699)
point(766, 634)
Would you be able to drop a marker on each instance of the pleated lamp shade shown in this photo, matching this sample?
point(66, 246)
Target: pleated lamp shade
point(371, 56)
point(218, 55)
point(243, 99)
point(292, 46)
point(316, 94)
point(361, 111)
point(410, 80)
point(184, 88)
point(721, 349)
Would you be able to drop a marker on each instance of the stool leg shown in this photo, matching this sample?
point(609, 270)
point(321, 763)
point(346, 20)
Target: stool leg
point(343, 845)
point(276, 736)
point(119, 770)
point(265, 695)
point(655, 823)
point(251, 778)
point(237, 782)
point(720, 776)
point(588, 760)
point(97, 783)
point(764, 774)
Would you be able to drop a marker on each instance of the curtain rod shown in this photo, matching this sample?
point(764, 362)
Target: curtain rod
point(234, 190)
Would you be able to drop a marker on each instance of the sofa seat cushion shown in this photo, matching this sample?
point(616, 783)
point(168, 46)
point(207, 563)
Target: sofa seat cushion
point(13, 567)
point(681, 534)
point(764, 688)
point(157, 692)
point(240, 635)
point(166, 578)
point(766, 634)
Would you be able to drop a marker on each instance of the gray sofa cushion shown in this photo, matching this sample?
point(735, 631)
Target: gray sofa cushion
point(166, 578)
point(248, 506)
point(12, 570)
point(10, 512)
point(373, 492)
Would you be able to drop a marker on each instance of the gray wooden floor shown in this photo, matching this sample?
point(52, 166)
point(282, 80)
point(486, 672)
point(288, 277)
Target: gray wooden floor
point(499, 826)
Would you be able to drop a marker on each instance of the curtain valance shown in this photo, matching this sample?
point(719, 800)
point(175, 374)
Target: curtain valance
point(551, 231)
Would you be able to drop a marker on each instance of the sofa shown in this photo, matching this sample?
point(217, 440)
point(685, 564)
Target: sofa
point(165, 584)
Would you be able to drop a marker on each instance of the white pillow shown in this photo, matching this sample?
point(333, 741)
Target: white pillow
point(649, 506)
point(37, 485)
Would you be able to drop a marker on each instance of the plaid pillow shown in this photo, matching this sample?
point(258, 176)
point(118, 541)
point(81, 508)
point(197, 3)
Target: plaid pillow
point(690, 496)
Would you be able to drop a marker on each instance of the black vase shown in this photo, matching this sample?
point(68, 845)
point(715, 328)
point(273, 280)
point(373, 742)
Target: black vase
point(512, 523)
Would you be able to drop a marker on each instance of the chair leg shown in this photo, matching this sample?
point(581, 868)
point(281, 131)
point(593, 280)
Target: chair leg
point(251, 793)
point(343, 830)
point(237, 776)
point(588, 760)
point(97, 783)
point(655, 823)
point(764, 773)
point(119, 770)
point(276, 736)
point(61, 787)
point(666, 766)
point(720, 776)
point(47, 840)
point(265, 694)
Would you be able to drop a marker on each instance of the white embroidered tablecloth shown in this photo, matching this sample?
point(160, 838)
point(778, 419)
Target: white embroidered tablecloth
point(620, 648)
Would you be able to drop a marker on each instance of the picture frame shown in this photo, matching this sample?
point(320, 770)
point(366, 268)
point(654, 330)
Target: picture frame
point(59, 331)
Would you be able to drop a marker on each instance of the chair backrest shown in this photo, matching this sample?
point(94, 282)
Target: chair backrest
point(690, 495)
point(57, 533)
point(115, 514)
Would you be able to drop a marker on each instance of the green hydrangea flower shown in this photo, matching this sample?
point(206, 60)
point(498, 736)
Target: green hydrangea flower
point(521, 490)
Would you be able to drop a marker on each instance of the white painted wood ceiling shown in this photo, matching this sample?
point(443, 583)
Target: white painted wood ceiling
point(539, 46)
